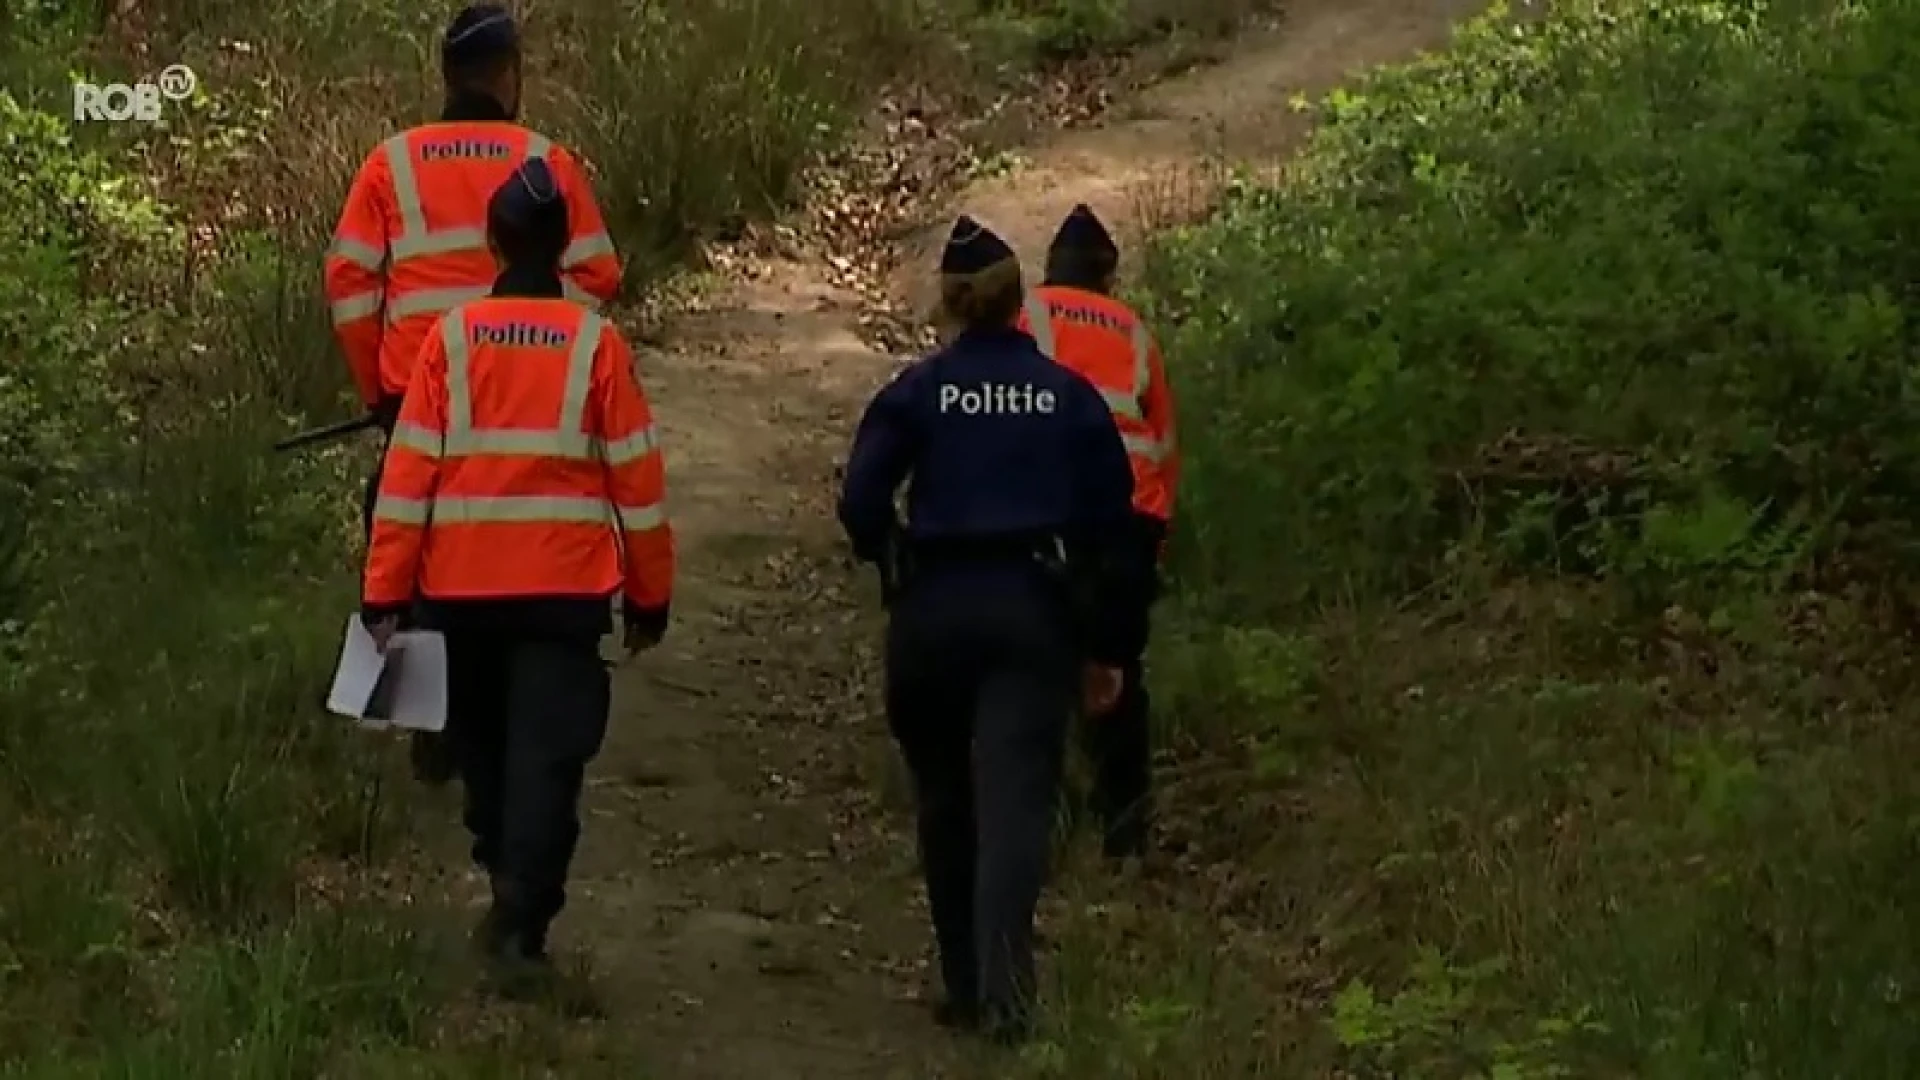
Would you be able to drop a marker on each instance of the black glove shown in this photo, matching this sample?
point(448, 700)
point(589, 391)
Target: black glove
point(372, 615)
point(642, 628)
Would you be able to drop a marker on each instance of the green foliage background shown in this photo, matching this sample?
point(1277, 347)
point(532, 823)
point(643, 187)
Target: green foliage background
point(1539, 649)
point(1669, 243)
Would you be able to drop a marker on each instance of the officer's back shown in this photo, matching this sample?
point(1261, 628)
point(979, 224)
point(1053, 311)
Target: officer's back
point(1003, 434)
point(411, 241)
point(1005, 453)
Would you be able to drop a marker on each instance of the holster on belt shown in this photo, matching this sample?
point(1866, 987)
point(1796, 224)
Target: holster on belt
point(902, 559)
point(895, 564)
point(1077, 573)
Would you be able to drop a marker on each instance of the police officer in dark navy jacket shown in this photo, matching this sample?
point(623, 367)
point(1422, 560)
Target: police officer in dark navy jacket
point(1014, 607)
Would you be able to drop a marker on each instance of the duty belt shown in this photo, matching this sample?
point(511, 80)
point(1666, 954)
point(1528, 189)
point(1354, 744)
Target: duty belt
point(1045, 548)
point(910, 558)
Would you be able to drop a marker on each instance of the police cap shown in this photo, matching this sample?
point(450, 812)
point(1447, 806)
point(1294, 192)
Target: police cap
point(979, 274)
point(478, 34)
point(972, 249)
point(528, 213)
point(1082, 233)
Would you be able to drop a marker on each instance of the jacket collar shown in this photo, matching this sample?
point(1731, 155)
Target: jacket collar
point(471, 107)
point(989, 337)
point(1073, 281)
point(528, 282)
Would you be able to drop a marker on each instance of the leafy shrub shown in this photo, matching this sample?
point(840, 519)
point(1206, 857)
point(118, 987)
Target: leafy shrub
point(1551, 409)
point(1658, 250)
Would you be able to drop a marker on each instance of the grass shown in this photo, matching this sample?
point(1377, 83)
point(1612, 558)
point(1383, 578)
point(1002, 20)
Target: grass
point(1536, 677)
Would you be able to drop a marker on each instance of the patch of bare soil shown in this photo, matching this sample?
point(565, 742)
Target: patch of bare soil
point(746, 892)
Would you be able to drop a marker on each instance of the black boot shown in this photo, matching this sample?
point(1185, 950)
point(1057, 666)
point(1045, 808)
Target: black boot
point(491, 934)
point(514, 945)
point(1007, 1025)
point(1126, 837)
point(960, 1009)
point(957, 1014)
point(522, 971)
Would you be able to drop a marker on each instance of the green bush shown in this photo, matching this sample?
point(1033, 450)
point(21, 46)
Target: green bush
point(1651, 254)
point(1549, 476)
point(161, 758)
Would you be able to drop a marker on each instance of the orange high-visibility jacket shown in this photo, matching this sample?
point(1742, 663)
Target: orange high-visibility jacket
point(524, 464)
point(412, 241)
point(1105, 342)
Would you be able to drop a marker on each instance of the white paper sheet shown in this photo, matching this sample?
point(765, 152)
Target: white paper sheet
point(406, 688)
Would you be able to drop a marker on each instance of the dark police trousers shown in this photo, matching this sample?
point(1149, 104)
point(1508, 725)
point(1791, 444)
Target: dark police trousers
point(982, 680)
point(525, 715)
point(1120, 747)
point(1120, 744)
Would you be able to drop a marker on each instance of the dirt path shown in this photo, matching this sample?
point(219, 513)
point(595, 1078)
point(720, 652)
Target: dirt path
point(747, 900)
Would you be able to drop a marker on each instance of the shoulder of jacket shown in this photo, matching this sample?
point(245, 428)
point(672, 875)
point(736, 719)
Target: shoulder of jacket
point(381, 154)
point(907, 379)
point(558, 152)
point(1075, 386)
point(1088, 298)
point(608, 337)
point(908, 373)
point(1111, 303)
point(406, 136)
point(403, 141)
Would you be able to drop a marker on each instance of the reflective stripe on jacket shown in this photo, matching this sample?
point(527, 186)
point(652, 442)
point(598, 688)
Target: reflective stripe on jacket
point(412, 241)
point(1103, 340)
point(524, 465)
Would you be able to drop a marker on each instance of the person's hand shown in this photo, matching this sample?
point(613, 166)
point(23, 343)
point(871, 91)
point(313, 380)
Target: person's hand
point(641, 628)
point(1100, 688)
point(383, 630)
point(637, 638)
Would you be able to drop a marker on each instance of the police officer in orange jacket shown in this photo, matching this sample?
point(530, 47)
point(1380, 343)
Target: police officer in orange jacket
point(1076, 320)
point(411, 242)
point(523, 489)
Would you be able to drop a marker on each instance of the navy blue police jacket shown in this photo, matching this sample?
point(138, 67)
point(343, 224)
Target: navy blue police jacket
point(994, 442)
